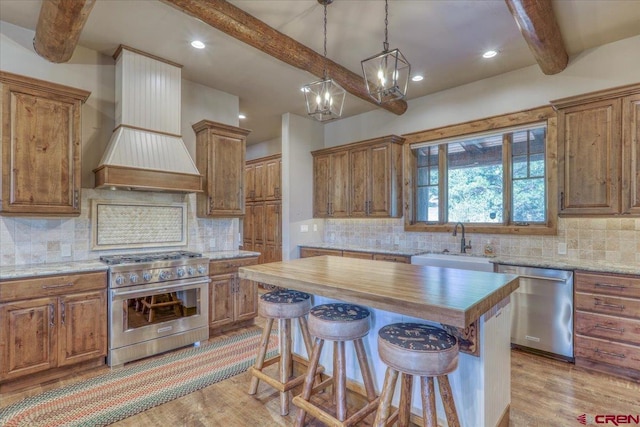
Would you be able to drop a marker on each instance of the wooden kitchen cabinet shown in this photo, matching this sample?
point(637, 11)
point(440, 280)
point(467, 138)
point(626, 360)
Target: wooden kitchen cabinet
point(331, 185)
point(262, 223)
point(41, 142)
point(48, 324)
point(631, 154)
point(233, 302)
point(607, 323)
point(376, 178)
point(273, 178)
point(362, 179)
point(596, 155)
point(255, 181)
point(220, 157)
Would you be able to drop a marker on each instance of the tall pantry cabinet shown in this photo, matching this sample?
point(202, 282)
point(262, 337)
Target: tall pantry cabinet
point(262, 223)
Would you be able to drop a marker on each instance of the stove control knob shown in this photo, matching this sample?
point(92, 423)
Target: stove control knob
point(164, 275)
point(133, 277)
point(191, 271)
point(180, 272)
point(119, 280)
point(201, 269)
point(146, 276)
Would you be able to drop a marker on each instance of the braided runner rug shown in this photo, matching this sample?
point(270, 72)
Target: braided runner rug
point(124, 392)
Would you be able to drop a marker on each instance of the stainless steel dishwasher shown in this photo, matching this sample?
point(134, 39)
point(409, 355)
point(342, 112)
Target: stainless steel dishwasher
point(542, 314)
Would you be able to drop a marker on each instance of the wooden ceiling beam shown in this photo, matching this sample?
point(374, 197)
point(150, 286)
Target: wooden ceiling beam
point(244, 27)
point(540, 29)
point(59, 26)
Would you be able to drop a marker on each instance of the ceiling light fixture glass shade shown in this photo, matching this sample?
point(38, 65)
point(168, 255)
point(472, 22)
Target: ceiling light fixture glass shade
point(386, 75)
point(325, 97)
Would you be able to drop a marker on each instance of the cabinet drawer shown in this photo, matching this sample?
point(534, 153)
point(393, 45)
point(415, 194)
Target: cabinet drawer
point(616, 306)
point(228, 266)
point(309, 252)
point(608, 327)
point(608, 284)
point(12, 290)
point(612, 353)
point(392, 258)
point(355, 254)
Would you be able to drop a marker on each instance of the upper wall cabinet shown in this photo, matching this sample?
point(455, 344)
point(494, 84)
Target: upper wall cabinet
point(597, 152)
point(41, 147)
point(362, 179)
point(220, 153)
point(262, 179)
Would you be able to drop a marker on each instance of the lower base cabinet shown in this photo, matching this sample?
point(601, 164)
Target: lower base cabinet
point(233, 301)
point(50, 323)
point(310, 252)
point(607, 323)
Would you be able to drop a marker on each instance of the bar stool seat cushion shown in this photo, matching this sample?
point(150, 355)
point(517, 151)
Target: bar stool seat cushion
point(339, 321)
point(418, 349)
point(284, 304)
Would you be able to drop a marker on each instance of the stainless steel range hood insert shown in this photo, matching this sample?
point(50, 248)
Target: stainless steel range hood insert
point(146, 151)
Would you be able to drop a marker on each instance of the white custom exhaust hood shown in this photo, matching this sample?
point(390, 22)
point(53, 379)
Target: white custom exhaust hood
point(146, 151)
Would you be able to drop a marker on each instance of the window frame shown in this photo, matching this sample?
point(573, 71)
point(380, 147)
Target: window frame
point(495, 123)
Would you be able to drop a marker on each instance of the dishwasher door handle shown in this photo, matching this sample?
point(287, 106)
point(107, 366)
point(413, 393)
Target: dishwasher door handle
point(548, 279)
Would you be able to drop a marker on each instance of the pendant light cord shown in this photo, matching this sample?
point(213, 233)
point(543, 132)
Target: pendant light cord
point(324, 71)
point(385, 45)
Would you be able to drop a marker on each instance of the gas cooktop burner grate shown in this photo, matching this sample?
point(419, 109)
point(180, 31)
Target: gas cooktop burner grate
point(148, 257)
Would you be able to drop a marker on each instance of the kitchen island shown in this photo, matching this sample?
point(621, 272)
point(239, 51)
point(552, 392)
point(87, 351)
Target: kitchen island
point(404, 293)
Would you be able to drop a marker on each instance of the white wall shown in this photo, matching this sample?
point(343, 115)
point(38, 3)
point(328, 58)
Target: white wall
point(264, 148)
point(607, 66)
point(300, 136)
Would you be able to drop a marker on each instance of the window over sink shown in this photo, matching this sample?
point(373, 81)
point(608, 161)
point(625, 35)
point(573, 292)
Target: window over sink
point(496, 175)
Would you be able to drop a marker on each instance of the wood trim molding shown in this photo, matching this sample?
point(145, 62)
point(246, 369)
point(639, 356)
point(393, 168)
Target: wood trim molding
point(264, 159)
point(122, 47)
point(533, 115)
point(221, 129)
point(539, 27)
point(394, 139)
point(146, 179)
point(601, 95)
point(238, 24)
point(43, 85)
point(59, 26)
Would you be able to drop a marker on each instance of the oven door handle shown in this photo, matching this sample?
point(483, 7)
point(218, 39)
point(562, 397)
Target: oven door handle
point(163, 289)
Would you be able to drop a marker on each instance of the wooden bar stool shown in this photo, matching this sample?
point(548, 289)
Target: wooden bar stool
point(416, 349)
point(284, 305)
point(338, 323)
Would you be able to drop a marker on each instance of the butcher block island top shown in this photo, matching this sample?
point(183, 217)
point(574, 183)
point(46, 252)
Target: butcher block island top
point(445, 295)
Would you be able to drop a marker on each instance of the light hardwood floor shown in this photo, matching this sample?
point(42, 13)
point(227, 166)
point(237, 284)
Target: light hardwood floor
point(544, 393)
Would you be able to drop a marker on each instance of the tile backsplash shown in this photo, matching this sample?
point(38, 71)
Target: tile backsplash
point(36, 241)
point(610, 239)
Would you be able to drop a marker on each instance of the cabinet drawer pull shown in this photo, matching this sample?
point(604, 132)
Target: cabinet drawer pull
point(62, 285)
point(608, 353)
point(609, 286)
point(607, 305)
point(609, 328)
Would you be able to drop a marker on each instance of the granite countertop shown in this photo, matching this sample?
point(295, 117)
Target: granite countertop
point(35, 270)
point(73, 267)
point(387, 250)
point(585, 265)
point(229, 254)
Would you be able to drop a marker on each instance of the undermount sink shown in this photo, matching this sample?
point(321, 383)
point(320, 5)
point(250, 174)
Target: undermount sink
point(463, 262)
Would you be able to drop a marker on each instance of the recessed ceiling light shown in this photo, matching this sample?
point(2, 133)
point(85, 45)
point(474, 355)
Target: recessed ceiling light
point(197, 44)
point(242, 116)
point(489, 54)
point(417, 78)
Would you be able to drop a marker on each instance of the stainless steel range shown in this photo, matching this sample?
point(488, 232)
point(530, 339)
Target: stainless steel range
point(157, 302)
